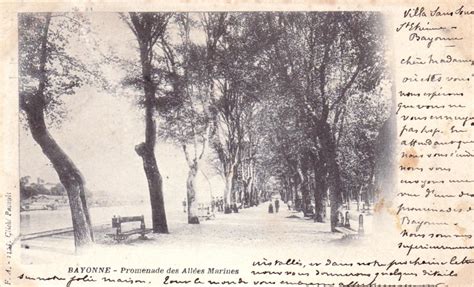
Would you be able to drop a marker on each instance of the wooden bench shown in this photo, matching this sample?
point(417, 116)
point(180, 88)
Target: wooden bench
point(122, 235)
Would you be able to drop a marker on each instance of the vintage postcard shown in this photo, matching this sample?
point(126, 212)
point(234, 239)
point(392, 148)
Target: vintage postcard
point(237, 143)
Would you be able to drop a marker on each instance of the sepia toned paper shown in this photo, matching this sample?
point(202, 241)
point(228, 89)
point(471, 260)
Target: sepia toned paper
point(398, 88)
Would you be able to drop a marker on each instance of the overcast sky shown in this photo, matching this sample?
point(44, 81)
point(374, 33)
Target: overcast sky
point(102, 130)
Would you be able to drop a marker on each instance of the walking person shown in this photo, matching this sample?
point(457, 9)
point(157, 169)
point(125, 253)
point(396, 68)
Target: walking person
point(213, 204)
point(221, 204)
point(277, 205)
point(270, 208)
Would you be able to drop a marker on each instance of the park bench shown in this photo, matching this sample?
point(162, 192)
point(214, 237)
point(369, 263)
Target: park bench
point(343, 225)
point(119, 235)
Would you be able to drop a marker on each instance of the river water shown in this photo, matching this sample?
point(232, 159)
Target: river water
point(44, 220)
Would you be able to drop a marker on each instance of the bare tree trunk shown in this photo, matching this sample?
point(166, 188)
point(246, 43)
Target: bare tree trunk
point(349, 198)
point(234, 191)
point(146, 150)
point(191, 195)
point(254, 193)
point(249, 191)
point(229, 177)
point(303, 187)
point(320, 190)
point(193, 216)
point(288, 189)
point(359, 189)
point(68, 173)
point(155, 187)
point(320, 208)
point(296, 200)
point(327, 141)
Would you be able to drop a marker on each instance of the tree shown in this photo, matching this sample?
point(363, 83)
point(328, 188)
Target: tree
point(148, 29)
point(322, 59)
point(190, 68)
point(239, 82)
point(48, 72)
point(26, 191)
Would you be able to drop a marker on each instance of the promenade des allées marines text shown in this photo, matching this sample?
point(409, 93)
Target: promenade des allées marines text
point(159, 270)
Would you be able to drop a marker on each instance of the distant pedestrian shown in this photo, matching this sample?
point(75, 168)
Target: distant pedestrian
point(277, 205)
point(184, 205)
point(221, 204)
point(213, 204)
point(270, 208)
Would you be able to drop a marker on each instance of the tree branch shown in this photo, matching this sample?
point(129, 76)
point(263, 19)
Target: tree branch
point(186, 155)
point(349, 83)
point(43, 59)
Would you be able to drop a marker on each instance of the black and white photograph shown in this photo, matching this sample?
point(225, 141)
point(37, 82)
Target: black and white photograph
point(164, 130)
